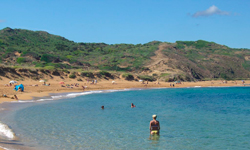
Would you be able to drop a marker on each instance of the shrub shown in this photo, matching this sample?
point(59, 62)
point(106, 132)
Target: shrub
point(188, 43)
point(169, 80)
point(65, 71)
point(105, 73)
point(180, 46)
point(79, 79)
point(39, 65)
point(224, 76)
point(147, 78)
point(128, 76)
point(47, 58)
point(154, 75)
point(55, 73)
point(200, 44)
point(42, 70)
point(32, 54)
point(246, 65)
point(73, 76)
point(87, 74)
point(20, 60)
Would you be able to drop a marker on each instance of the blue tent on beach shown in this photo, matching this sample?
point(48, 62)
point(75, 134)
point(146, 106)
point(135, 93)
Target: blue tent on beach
point(19, 86)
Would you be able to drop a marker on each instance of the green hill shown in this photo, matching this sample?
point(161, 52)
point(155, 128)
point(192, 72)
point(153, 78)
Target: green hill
point(183, 60)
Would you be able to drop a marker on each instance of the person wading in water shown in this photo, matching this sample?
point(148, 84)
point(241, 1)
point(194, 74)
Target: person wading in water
point(154, 126)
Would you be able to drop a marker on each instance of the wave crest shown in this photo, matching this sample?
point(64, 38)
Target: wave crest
point(6, 131)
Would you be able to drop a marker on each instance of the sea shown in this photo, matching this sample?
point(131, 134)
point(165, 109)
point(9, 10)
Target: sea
point(192, 118)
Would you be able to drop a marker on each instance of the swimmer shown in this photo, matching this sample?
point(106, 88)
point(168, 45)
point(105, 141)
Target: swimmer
point(154, 126)
point(132, 105)
point(102, 107)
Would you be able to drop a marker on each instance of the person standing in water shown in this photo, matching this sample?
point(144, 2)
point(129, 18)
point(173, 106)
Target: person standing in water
point(154, 126)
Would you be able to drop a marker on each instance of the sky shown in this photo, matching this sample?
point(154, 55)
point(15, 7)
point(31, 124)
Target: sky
point(226, 22)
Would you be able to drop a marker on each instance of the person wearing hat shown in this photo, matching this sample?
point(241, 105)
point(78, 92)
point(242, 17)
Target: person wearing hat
point(154, 126)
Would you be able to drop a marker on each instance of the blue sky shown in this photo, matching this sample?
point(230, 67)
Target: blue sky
point(225, 22)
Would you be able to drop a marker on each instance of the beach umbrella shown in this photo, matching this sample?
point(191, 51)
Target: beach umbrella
point(12, 82)
point(42, 81)
point(61, 82)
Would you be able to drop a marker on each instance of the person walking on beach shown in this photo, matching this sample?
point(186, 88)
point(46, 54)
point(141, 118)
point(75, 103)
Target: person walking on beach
point(154, 126)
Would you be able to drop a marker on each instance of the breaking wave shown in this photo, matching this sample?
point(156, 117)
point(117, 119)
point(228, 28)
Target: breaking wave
point(6, 131)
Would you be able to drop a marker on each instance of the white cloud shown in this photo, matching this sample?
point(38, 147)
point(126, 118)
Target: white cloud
point(213, 10)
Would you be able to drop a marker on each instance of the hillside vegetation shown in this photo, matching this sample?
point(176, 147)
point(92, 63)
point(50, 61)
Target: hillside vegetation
point(183, 60)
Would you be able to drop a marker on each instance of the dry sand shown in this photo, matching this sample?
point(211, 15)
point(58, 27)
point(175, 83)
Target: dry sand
point(31, 91)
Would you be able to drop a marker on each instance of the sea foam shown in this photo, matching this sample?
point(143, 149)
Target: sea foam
point(6, 131)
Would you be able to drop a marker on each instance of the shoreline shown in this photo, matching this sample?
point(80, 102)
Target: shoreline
point(37, 93)
point(35, 89)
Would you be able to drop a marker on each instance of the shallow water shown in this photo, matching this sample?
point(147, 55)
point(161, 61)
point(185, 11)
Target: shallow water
point(190, 118)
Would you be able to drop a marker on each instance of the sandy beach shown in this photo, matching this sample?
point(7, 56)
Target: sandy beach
point(37, 89)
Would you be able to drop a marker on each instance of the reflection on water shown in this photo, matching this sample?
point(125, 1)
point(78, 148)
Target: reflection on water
point(154, 138)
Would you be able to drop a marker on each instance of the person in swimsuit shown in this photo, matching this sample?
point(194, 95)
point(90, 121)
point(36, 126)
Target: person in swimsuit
point(132, 105)
point(154, 126)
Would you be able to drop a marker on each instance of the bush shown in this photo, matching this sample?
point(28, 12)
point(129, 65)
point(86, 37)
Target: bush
point(188, 43)
point(147, 78)
point(201, 44)
point(47, 58)
point(55, 73)
point(39, 64)
point(224, 76)
point(128, 76)
point(87, 74)
point(32, 54)
point(20, 60)
point(42, 70)
point(73, 76)
point(65, 71)
point(169, 80)
point(79, 79)
point(246, 65)
point(155, 75)
point(105, 73)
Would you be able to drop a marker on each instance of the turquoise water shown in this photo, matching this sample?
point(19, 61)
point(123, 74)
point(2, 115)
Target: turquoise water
point(190, 118)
